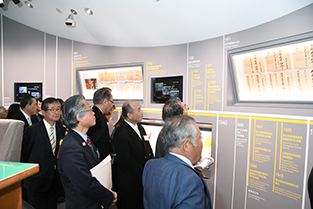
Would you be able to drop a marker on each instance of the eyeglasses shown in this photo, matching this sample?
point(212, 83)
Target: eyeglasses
point(54, 110)
point(186, 107)
point(111, 101)
point(87, 110)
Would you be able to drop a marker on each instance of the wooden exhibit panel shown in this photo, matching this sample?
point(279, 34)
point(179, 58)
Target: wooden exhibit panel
point(11, 175)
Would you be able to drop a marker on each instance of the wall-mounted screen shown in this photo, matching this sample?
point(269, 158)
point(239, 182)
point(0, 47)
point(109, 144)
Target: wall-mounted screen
point(164, 88)
point(154, 127)
point(125, 80)
point(274, 72)
point(33, 89)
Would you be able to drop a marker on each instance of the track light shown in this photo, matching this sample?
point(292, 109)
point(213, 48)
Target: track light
point(1, 3)
point(70, 22)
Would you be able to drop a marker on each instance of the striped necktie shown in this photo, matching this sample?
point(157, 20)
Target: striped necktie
point(52, 139)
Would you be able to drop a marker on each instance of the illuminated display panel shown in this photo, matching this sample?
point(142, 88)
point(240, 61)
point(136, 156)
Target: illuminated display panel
point(280, 74)
point(126, 81)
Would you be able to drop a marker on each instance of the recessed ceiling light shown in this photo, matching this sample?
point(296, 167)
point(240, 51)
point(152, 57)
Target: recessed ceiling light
point(88, 11)
point(155, 0)
point(58, 10)
point(27, 3)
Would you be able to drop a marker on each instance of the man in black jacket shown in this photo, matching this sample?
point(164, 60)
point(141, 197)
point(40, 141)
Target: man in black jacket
point(133, 150)
point(99, 133)
point(40, 145)
point(77, 156)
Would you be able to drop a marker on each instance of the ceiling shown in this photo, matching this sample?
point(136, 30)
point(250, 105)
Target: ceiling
point(143, 23)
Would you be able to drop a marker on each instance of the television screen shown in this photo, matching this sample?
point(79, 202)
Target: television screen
point(164, 88)
point(33, 89)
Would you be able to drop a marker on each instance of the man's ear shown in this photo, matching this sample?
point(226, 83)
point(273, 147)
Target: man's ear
point(129, 115)
point(185, 146)
point(78, 118)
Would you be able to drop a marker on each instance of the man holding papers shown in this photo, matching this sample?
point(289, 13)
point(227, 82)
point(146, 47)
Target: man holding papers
point(77, 156)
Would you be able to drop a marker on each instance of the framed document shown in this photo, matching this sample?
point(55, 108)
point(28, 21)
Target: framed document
point(125, 80)
point(276, 72)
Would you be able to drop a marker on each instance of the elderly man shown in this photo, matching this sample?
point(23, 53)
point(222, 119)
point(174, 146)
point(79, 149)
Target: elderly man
point(99, 133)
point(133, 151)
point(172, 107)
point(171, 182)
point(27, 111)
point(77, 156)
point(40, 145)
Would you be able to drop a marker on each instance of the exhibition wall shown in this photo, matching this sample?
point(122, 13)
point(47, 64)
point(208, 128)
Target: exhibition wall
point(261, 151)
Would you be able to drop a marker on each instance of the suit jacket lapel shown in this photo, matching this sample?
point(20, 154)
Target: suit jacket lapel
point(133, 133)
point(46, 140)
point(85, 146)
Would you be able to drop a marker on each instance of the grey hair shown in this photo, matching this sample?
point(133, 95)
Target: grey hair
point(177, 130)
point(101, 94)
point(72, 107)
point(172, 108)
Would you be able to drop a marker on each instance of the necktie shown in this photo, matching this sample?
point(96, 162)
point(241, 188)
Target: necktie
point(88, 141)
point(29, 121)
point(52, 139)
point(138, 132)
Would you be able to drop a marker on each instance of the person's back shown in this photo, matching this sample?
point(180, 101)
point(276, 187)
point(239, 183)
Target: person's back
point(171, 181)
point(172, 194)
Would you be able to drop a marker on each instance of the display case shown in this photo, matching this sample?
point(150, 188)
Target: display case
point(125, 80)
point(275, 73)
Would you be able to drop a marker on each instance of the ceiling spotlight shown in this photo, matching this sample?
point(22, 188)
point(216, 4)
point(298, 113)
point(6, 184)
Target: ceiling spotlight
point(88, 11)
point(16, 1)
point(1, 3)
point(27, 3)
point(70, 22)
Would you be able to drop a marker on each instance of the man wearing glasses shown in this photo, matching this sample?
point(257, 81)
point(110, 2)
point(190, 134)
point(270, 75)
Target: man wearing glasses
point(77, 156)
point(40, 145)
point(99, 133)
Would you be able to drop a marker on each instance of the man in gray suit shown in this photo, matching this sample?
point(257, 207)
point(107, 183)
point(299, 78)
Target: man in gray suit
point(171, 182)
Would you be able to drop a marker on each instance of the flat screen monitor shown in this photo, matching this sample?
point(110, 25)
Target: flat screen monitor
point(33, 89)
point(164, 88)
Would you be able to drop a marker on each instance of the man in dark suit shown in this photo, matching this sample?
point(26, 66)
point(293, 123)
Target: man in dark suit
point(171, 182)
point(172, 107)
point(77, 156)
point(27, 112)
point(40, 145)
point(99, 133)
point(133, 151)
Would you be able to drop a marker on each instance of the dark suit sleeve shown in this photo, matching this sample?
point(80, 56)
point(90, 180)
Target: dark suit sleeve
point(125, 155)
point(27, 144)
point(75, 166)
point(159, 148)
point(99, 134)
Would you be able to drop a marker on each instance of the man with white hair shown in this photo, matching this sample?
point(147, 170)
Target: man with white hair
point(171, 181)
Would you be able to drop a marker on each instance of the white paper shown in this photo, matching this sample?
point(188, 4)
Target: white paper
point(103, 172)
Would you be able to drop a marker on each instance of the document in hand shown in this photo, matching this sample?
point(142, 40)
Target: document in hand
point(103, 173)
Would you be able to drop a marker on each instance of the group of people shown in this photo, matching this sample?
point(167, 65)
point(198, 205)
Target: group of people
point(67, 149)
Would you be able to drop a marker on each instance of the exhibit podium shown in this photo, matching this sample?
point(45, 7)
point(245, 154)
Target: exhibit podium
point(11, 175)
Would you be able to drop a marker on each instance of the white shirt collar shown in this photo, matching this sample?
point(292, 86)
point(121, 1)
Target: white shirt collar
point(26, 116)
point(84, 136)
point(135, 127)
point(183, 158)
